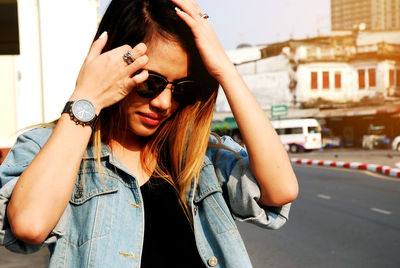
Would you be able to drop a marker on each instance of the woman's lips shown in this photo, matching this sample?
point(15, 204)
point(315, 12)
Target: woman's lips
point(151, 119)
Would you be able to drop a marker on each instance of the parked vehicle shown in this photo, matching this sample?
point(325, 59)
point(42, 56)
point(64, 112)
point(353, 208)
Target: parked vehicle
point(227, 127)
point(299, 134)
point(375, 138)
point(396, 143)
point(329, 140)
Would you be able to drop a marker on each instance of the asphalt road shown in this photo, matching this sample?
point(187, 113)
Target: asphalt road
point(342, 218)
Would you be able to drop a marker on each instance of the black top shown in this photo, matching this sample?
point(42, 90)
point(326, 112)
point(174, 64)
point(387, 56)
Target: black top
point(168, 237)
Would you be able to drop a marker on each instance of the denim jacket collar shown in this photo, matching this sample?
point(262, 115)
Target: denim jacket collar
point(203, 187)
point(91, 154)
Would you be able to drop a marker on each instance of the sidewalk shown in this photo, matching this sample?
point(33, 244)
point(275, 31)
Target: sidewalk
point(380, 161)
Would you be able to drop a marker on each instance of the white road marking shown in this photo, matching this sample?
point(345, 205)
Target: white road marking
point(326, 197)
point(382, 211)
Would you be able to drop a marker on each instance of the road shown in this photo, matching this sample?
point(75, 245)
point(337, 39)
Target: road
point(342, 218)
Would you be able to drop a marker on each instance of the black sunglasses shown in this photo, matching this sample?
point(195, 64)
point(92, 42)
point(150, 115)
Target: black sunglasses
point(183, 90)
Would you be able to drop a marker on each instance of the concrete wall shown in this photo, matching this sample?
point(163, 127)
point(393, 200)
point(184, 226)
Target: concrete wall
point(367, 38)
point(7, 101)
point(267, 79)
point(28, 69)
point(67, 29)
point(306, 94)
point(55, 36)
point(244, 54)
point(349, 91)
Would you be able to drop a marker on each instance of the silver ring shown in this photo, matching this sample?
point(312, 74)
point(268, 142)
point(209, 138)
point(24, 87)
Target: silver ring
point(204, 15)
point(128, 57)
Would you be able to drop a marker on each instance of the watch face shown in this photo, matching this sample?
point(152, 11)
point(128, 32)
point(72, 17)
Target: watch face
point(83, 110)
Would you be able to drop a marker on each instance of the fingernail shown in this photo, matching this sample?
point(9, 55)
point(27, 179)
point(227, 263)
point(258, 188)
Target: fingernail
point(103, 35)
point(178, 9)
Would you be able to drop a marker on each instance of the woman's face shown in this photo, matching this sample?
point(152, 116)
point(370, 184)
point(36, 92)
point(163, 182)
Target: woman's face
point(144, 116)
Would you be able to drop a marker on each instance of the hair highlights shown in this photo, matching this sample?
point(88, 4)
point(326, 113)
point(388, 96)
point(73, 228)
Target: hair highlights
point(180, 142)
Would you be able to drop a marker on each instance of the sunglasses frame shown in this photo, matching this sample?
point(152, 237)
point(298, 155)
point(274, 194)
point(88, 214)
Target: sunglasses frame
point(152, 93)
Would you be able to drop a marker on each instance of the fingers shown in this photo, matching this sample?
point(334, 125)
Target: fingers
point(139, 57)
point(137, 65)
point(138, 79)
point(97, 46)
point(139, 50)
point(135, 70)
point(189, 10)
point(185, 17)
point(189, 7)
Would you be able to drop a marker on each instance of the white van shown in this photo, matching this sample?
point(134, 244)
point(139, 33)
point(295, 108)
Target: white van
point(299, 134)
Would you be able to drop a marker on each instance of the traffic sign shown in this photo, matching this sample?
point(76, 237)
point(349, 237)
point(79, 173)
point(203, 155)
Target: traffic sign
point(279, 110)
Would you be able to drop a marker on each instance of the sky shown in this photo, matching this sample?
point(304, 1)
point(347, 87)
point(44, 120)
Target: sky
point(258, 22)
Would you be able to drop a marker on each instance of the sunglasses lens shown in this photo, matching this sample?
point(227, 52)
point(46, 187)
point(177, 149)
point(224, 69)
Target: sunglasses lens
point(153, 86)
point(185, 91)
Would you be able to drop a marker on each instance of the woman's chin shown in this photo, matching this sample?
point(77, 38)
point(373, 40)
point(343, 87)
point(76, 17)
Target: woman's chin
point(142, 131)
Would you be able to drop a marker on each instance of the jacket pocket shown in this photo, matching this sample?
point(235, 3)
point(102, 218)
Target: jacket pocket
point(213, 211)
point(92, 208)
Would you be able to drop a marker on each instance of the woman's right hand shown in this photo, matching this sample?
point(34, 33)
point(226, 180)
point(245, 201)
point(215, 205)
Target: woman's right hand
point(105, 79)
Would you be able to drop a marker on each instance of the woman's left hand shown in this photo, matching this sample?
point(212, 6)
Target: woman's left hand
point(208, 44)
point(269, 161)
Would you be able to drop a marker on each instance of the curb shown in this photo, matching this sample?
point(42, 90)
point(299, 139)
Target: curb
point(386, 170)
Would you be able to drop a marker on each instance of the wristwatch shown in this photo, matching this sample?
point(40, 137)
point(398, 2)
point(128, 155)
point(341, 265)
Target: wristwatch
point(82, 112)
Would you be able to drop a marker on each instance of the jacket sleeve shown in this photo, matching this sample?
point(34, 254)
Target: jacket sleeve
point(19, 157)
point(242, 190)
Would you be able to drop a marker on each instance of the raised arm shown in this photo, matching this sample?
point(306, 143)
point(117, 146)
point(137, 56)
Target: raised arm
point(45, 187)
point(269, 161)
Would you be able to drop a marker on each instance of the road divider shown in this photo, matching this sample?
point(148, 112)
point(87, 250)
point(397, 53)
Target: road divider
point(381, 169)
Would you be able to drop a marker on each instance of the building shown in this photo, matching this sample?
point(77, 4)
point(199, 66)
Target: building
point(42, 45)
point(367, 14)
point(349, 82)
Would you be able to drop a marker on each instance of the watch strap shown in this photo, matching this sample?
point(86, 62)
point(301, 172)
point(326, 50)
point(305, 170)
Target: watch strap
point(67, 107)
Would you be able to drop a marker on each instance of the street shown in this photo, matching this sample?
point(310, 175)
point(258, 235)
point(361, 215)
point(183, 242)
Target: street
point(342, 218)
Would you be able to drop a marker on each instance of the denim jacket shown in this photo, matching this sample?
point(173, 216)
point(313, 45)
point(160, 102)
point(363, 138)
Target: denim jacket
point(103, 224)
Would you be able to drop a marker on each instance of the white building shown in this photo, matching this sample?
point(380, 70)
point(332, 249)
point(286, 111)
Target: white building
point(348, 81)
point(54, 38)
point(364, 71)
point(325, 71)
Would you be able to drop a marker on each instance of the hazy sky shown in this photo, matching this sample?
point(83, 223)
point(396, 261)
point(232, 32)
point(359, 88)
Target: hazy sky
point(264, 21)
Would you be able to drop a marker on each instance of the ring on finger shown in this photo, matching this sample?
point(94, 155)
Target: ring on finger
point(203, 15)
point(128, 57)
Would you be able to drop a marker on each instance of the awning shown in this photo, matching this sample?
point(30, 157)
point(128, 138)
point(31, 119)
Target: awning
point(228, 124)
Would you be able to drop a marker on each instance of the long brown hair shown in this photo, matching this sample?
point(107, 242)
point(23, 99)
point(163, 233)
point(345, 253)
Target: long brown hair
point(180, 143)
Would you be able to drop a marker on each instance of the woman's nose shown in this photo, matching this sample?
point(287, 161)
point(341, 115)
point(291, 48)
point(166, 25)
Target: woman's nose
point(164, 100)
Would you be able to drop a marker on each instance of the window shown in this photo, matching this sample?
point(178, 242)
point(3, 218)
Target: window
point(391, 77)
point(325, 80)
point(9, 35)
point(314, 80)
point(289, 131)
point(361, 79)
point(371, 77)
point(313, 130)
point(398, 78)
point(294, 130)
point(338, 80)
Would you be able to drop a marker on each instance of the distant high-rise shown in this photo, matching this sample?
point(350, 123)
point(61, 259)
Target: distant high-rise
point(373, 14)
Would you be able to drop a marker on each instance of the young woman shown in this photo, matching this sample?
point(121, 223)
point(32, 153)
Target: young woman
point(129, 176)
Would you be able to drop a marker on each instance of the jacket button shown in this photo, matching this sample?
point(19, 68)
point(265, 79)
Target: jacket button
point(213, 261)
point(78, 194)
